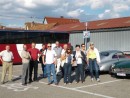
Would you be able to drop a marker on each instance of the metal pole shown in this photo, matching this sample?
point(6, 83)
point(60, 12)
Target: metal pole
point(86, 24)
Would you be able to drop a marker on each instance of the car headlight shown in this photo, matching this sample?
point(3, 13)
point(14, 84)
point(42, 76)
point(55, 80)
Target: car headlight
point(113, 65)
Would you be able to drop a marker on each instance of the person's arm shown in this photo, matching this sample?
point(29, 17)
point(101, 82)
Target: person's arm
point(98, 56)
point(39, 54)
point(1, 53)
point(43, 57)
point(55, 59)
point(74, 53)
point(1, 59)
point(62, 55)
point(24, 55)
point(12, 56)
point(29, 55)
point(87, 56)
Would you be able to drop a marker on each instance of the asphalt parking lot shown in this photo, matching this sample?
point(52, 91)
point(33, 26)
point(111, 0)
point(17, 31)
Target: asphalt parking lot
point(109, 87)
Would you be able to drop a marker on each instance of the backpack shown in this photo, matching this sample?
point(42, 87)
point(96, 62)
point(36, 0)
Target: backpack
point(40, 58)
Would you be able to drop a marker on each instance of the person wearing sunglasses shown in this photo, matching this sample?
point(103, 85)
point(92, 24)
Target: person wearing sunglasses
point(68, 66)
point(78, 57)
point(49, 59)
point(93, 59)
point(83, 49)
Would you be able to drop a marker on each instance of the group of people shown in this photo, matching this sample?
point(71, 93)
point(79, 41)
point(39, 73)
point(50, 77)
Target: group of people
point(53, 61)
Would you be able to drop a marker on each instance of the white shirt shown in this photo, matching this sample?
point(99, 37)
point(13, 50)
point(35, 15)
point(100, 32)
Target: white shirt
point(63, 51)
point(7, 55)
point(66, 60)
point(78, 59)
point(50, 56)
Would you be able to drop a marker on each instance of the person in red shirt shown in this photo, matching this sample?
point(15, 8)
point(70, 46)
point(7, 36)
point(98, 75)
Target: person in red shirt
point(35, 54)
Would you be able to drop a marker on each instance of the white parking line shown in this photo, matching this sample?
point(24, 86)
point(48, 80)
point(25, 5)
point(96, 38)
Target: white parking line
point(74, 89)
point(81, 91)
point(97, 84)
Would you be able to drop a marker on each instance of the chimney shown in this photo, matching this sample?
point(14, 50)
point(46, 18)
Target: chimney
point(61, 17)
point(32, 24)
point(4, 27)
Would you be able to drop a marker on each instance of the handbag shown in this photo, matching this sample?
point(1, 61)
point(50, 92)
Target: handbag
point(74, 63)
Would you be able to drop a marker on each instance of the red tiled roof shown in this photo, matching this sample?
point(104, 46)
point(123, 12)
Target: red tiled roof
point(95, 25)
point(43, 26)
point(61, 20)
point(39, 26)
point(30, 24)
point(1, 27)
point(70, 27)
point(109, 23)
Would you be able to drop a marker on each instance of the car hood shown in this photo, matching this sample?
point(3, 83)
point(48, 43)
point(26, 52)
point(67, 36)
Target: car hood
point(122, 64)
point(113, 60)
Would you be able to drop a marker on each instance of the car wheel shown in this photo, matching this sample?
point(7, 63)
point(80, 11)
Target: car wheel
point(110, 71)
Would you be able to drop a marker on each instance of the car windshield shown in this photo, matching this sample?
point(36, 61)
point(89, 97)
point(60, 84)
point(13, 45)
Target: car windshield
point(104, 54)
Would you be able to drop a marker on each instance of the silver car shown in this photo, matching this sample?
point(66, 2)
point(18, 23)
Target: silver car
point(110, 57)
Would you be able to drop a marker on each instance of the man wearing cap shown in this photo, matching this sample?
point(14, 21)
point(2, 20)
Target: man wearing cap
point(93, 59)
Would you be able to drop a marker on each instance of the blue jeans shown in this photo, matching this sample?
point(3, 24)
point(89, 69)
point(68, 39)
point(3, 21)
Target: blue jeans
point(93, 67)
point(51, 68)
point(79, 72)
point(44, 70)
point(67, 72)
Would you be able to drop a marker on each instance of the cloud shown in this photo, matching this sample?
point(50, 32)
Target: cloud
point(85, 10)
point(75, 13)
point(116, 7)
point(93, 4)
point(120, 7)
point(13, 25)
point(108, 14)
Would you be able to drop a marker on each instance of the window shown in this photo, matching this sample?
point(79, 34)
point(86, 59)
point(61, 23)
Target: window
point(28, 37)
point(118, 55)
point(104, 53)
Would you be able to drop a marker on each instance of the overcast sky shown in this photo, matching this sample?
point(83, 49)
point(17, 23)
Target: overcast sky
point(17, 12)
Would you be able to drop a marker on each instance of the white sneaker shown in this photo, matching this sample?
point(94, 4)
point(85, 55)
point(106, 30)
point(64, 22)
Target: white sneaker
point(65, 83)
point(92, 79)
point(98, 80)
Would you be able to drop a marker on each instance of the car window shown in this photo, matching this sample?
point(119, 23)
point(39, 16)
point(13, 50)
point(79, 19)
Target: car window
point(118, 55)
point(104, 54)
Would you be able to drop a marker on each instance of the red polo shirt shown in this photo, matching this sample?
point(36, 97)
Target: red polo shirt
point(34, 53)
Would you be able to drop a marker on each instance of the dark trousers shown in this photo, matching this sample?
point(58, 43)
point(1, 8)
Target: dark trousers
point(44, 70)
point(93, 67)
point(67, 72)
point(79, 72)
point(33, 65)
